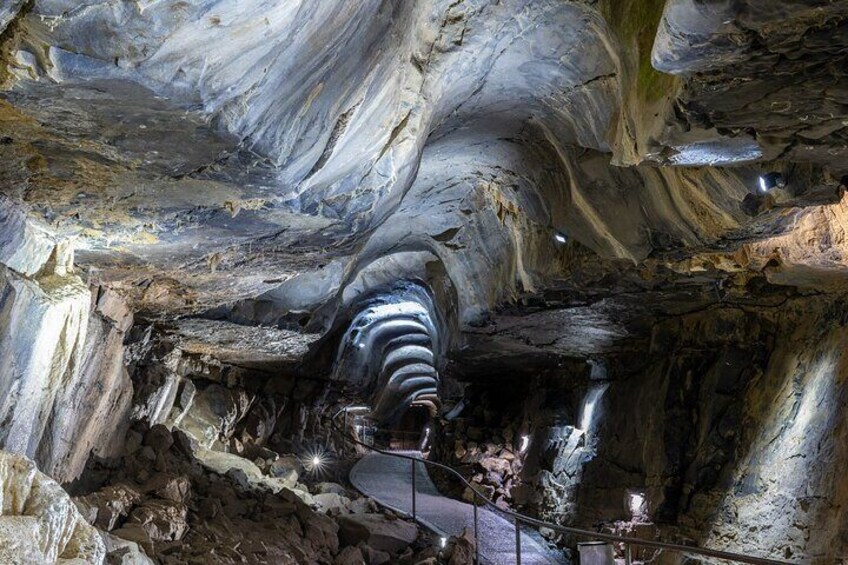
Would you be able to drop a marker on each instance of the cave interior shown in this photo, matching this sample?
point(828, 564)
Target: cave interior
point(591, 255)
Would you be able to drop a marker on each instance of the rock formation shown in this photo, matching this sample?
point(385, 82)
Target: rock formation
point(39, 523)
point(590, 253)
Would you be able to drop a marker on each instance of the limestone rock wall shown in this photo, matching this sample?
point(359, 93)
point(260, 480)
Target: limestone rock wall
point(729, 433)
point(787, 490)
point(64, 391)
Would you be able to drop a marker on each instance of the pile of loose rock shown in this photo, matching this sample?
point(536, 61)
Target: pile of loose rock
point(487, 458)
point(163, 502)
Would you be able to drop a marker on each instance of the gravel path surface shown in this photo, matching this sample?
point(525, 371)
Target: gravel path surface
point(388, 480)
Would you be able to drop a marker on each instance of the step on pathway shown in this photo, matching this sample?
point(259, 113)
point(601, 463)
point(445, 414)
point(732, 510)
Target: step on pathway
point(388, 481)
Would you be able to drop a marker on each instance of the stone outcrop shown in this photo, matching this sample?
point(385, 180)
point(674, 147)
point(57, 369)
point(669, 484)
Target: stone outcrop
point(162, 504)
point(733, 403)
point(64, 389)
point(38, 521)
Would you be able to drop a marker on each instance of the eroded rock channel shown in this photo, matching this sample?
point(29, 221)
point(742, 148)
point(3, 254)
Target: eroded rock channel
point(590, 254)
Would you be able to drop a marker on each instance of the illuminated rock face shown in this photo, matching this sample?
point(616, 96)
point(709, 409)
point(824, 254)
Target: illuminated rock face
point(38, 521)
point(64, 388)
point(235, 217)
point(473, 132)
point(389, 352)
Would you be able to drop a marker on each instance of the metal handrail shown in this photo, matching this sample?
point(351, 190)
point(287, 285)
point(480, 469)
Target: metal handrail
point(521, 518)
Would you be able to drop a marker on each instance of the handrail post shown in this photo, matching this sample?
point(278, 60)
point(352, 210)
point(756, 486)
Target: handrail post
point(517, 543)
point(628, 554)
point(345, 432)
point(476, 532)
point(413, 490)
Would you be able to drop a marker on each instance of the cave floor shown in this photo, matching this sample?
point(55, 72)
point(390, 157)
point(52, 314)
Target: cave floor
point(388, 480)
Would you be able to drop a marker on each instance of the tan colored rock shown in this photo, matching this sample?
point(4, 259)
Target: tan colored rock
point(106, 507)
point(350, 556)
point(123, 552)
point(64, 391)
point(331, 502)
point(38, 521)
point(162, 520)
point(460, 550)
point(169, 487)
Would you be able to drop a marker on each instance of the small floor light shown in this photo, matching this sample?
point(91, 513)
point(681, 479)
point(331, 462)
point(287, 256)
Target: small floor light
point(770, 181)
point(315, 460)
point(560, 237)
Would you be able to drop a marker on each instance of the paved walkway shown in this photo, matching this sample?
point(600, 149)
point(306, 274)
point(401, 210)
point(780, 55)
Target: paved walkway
point(388, 480)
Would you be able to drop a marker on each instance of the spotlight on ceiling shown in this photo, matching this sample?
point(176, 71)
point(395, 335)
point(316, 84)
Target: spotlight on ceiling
point(560, 237)
point(770, 181)
point(316, 461)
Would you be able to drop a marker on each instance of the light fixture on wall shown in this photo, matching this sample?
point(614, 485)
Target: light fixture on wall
point(772, 180)
point(443, 542)
point(525, 443)
point(637, 505)
point(425, 440)
point(560, 237)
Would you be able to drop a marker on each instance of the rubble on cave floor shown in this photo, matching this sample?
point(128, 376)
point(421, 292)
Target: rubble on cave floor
point(162, 503)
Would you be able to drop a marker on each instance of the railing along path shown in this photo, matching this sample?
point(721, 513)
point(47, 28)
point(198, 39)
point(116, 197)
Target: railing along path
point(518, 519)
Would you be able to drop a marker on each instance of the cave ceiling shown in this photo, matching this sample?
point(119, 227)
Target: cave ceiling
point(559, 174)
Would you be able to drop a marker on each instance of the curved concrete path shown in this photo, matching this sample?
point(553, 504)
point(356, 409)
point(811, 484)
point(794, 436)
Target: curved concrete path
point(388, 481)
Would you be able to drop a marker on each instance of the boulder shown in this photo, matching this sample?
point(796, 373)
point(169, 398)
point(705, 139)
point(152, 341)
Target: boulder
point(123, 552)
point(350, 556)
point(375, 556)
point(38, 521)
point(460, 550)
point(286, 468)
point(137, 534)
point(324, 488)
point(246, 473)
point(159, 438)
point(176, 488)
point(331, 502)
point(378, 531)
point(319, 530)
point(162, 520)
point(106, 507)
